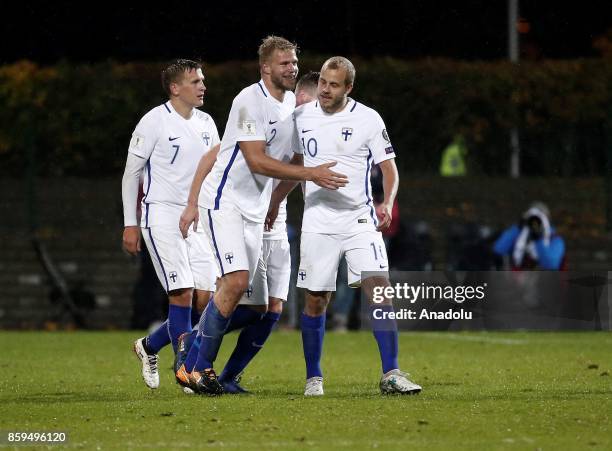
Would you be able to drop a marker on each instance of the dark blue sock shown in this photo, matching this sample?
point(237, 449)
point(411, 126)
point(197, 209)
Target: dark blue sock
point(190, 338)
point(213, 325)
point(179, 322)
point(242, 317)
point(385, 332)
point(158, 339)
point(195, 317)
point(194, 350)
point(250, 341)
point(313, 331)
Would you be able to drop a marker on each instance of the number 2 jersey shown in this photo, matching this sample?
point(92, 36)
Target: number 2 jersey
point(173, 147)
point(355, 138)
point(255, 116)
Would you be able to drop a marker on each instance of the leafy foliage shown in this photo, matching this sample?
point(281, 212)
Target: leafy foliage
point(77, 119)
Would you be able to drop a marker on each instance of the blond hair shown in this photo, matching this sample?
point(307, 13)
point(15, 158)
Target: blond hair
point(340, 62)
point(272, 43)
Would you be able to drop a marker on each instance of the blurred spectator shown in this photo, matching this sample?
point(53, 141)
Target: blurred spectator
point(453, 158)
point(468, 248)
point(532, 243)
point(411, 248)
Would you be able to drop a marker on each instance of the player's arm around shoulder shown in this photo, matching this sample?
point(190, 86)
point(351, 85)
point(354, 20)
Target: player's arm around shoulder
point(259, 163)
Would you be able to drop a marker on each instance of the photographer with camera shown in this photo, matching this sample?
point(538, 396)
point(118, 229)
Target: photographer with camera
point(533, 242)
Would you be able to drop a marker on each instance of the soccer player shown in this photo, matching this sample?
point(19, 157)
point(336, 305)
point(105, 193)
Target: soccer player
point(235, 195)
point(343, 222)
point(271, 280)
point(169, 142)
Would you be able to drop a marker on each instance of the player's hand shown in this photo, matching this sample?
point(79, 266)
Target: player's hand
point(131, 240)
point(191, 214)
point(271, 216)
point(326, 178)
point(383, 211)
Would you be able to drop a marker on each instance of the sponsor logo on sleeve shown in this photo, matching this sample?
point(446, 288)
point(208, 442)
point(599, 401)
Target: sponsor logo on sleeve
point(389, 150)
point(137, 141)
point(249, 127)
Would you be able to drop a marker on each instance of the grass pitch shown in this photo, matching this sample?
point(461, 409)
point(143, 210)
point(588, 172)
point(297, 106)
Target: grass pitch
point(480, 391)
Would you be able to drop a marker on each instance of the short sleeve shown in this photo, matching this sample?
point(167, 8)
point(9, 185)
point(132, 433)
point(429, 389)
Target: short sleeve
point(145, 136)
point(380, 143)
point(215, 134)
point(296, 146)
point(249, 120)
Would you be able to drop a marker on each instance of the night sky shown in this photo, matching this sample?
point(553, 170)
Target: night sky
point(219, 31)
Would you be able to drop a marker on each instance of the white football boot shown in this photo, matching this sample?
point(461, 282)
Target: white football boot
point(150, 375)
point(314, 386)
point(396, 381)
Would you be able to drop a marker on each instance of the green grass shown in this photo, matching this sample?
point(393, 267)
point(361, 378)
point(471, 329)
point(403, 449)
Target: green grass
point(481, 391)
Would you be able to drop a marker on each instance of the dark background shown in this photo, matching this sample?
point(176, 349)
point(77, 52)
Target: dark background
point(220, 31)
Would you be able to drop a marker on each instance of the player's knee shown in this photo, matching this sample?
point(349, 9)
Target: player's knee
point(181, 297)
point(263, 309)
point(201, 300)
point(373, 285)
point(236, 284)
point(275, 305)
point(316, 303)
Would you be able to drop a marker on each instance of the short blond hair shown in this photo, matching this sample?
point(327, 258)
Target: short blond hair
point(272, 43)
point(340, 62)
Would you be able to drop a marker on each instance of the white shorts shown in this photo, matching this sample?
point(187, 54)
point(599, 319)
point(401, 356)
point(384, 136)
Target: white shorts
point(235, 241)
point(181, 263)
point(272, 274)
point(320, 255)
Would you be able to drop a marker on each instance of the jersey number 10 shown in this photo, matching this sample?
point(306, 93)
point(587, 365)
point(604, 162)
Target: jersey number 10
point(310, 146)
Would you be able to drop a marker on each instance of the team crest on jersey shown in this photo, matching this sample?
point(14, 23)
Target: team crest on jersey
point(173, 276)
point(206, 137)
point(347, 132)
point(386, 135)
point(302, 274)
point(229, 256)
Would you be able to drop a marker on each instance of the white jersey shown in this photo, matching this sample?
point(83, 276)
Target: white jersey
point(173, 147)
point(255, 116)
point(356, 138)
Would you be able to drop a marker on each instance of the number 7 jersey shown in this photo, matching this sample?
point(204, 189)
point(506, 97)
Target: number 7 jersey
point(172, 147)
point(356, 139)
